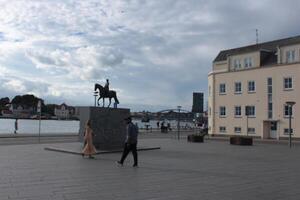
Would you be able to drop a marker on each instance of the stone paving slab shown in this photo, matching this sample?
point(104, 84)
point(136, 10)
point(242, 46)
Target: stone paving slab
point(179, 170)
point(76, 148)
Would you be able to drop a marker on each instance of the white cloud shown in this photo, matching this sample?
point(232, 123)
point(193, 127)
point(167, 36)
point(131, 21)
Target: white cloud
point(84, 62)
point(15, 85)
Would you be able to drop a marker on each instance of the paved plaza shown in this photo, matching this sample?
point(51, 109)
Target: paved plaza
point(179, 170)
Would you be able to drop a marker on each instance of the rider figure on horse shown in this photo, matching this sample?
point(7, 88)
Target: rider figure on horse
point(106, 87)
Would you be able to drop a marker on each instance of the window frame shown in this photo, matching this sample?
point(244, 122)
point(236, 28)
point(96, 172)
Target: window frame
point(286, 111)
point(237, 64)
point(235, 113)
point(235, 87)
point(251, 132)
point(221, 130)
point(290, 83)
point(237, 127)
point(247, 62)
point(286, 131)
point(290, 56)
point(221, 92)
point(254, 111)
point(254, 90)
point(221, 113)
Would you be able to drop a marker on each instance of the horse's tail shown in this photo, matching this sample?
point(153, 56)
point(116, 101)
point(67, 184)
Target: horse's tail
point(116, 99)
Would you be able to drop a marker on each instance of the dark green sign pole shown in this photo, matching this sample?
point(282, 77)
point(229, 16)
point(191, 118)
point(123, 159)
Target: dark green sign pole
point(290, 105)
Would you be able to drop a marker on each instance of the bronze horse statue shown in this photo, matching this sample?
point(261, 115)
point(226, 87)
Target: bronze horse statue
point(105, 94)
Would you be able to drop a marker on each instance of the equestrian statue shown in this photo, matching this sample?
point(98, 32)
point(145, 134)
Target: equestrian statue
point(104, 93)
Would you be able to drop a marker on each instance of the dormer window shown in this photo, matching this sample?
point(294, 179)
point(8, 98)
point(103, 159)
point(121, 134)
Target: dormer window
point(248, 62)
point(237, 64)
point(290, 56)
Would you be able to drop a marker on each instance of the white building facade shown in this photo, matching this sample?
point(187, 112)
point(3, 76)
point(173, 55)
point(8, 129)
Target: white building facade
point(261, 77)
point(63, 111)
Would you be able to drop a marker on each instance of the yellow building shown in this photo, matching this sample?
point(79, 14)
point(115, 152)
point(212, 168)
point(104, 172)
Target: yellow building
point(261, 77)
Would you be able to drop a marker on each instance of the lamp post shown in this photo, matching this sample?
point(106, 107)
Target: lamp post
point(95, 95)
point(39, 110)
point(178, 122)
point(290, 105)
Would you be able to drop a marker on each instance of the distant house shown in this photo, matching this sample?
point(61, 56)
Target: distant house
point(7, 113)
point(64, 111)
point(21, 111)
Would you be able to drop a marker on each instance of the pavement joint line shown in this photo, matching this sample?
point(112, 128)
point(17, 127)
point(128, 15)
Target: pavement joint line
point(99, 152)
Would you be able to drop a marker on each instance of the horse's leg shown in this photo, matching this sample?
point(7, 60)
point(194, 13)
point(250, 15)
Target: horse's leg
point(103, 102)
point(109, 102)
point(98, 101)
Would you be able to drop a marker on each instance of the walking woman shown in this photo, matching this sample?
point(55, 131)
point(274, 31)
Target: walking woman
point(89, 149)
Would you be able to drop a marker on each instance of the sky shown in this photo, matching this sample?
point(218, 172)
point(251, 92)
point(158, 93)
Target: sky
point(155, 53)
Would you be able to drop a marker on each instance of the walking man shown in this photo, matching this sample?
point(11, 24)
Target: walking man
point(130, 142)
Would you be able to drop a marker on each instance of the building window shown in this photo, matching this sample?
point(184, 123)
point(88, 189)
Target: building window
point(251, 130)
point(209, 91)
point(251, 86)
point(270, 81)
point(222, 129)
point(222, 88)
point(250, 111)
point(238, 87)
point(222, 111)
point(237, 64)
point(288, 110)
point(237, 129)
point(287, 132)
point(288, 83)
point(270, 110)
point(237, 111)
point(270, 98)
point(248, 62)
point(290, 56)
point(209, 112)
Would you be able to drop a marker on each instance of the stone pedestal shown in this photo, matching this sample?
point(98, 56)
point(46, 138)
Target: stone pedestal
point(108, 126)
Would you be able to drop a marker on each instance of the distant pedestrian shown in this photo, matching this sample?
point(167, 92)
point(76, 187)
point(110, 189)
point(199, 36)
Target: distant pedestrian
point(169, 126)
point(157, 124)
point(130, 142)
point(89, 148)
point(16, 126)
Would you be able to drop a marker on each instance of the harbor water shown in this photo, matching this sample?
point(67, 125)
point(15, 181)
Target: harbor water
point(30, 126)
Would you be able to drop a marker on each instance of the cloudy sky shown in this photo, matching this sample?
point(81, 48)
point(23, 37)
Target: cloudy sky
point(156, 53)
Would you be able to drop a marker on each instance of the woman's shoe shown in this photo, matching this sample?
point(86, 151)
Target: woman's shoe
point(82, 155)
point(91, 157)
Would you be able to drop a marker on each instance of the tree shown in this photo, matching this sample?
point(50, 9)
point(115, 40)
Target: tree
point(3, 102)
point(49, 109)
point(27, 100)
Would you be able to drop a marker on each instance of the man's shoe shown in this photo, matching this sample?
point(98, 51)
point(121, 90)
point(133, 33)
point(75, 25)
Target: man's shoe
point(135, 165)
point(119, 163)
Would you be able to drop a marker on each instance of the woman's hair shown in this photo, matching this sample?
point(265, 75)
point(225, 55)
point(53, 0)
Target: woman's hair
point(88, 123)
